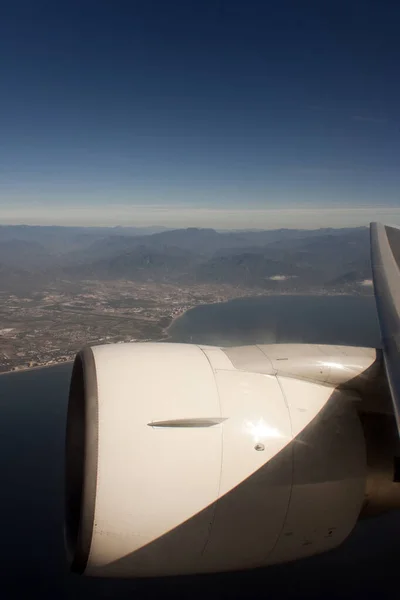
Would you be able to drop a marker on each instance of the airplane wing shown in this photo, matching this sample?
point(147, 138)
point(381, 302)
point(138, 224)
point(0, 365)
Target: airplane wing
point(385, 259)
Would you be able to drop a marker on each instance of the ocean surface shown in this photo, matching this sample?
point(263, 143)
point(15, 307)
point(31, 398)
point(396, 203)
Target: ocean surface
point(276, 319)
point(32, 424)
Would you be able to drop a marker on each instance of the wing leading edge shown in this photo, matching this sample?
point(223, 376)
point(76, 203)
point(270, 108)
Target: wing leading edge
point(385, 260)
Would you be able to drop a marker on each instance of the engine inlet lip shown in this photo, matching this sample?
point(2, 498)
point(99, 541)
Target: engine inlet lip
point(81, 455)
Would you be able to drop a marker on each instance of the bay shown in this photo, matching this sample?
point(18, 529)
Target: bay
point(349, 320)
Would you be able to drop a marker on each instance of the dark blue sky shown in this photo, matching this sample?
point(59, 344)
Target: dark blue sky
point(222, 113)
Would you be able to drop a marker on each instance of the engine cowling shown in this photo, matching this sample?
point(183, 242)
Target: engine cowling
point(178, 461)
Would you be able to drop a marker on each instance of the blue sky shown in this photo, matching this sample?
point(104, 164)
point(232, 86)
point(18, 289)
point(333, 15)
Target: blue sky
point(209, 113)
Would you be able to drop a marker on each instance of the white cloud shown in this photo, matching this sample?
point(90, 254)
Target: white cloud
point(180, 215)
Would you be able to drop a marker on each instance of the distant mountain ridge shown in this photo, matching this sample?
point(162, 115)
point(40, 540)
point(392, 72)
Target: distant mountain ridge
point(272, 259)
point(64, 239)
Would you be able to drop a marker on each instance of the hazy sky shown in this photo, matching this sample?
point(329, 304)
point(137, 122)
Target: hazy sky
point(217, 113)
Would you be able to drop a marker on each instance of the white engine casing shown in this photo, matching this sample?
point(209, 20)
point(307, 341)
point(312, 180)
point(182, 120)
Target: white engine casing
point(179, 460)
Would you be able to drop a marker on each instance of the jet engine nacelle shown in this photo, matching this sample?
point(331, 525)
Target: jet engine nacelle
point(180, 461)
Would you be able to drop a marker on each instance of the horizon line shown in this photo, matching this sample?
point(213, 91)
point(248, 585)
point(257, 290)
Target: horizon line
point(177, 228)
point(183, 217)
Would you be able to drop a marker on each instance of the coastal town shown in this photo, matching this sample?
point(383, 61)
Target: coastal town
point(48, 326)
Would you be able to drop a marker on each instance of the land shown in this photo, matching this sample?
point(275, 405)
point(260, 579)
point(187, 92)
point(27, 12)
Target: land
point(63, 288)
point(50, 326)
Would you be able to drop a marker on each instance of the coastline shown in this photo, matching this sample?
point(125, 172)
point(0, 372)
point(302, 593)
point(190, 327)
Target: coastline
point(166, 334)
point(24, 370)
point(242, 297)
point(166, 331)
point(254, 293)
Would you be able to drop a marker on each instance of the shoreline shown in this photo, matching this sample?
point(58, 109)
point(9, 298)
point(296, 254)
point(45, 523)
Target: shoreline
point(166, 335)
point(245, 296)
point(24, 370)
point(174, 319)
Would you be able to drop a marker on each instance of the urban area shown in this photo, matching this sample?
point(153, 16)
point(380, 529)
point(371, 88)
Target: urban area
point(49, 326)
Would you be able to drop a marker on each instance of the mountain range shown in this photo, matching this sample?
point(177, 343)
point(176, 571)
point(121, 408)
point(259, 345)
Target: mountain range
point(271, 259)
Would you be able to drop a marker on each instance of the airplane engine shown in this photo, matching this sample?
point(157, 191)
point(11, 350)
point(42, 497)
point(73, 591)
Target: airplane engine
point(191, 459)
